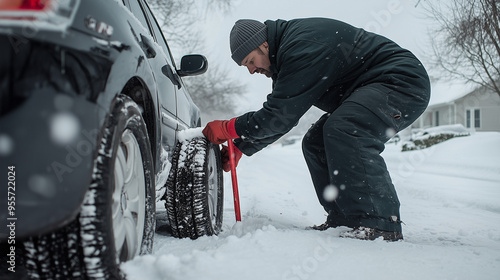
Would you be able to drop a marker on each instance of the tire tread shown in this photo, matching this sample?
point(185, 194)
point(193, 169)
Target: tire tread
point(186, 195)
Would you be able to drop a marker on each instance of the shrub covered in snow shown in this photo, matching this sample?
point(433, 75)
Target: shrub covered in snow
point(434, 135)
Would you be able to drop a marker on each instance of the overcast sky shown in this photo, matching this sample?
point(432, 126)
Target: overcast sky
point(398, 20)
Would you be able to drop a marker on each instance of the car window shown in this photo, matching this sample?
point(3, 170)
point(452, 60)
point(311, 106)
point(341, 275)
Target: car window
point(160, 39)
point(136, 9)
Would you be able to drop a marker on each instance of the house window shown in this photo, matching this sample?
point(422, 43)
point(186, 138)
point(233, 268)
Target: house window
point(437, 118)
point(473, 118)
point(467, 124)
point(477, 118)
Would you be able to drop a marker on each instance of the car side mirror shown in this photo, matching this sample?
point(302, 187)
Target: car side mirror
point(192, 65)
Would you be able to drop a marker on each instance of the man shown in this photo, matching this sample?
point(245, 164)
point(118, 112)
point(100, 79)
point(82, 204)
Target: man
point(369, 87)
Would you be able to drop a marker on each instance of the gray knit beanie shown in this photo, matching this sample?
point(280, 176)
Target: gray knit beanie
point(246, 36)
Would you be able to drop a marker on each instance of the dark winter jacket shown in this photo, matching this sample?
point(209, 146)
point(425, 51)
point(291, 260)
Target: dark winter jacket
point(320, 62)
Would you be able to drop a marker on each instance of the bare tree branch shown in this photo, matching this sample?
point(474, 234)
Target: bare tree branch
point(467, 42)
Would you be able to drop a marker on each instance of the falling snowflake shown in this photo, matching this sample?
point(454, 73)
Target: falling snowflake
point(330, 193)
point(64, 128)
point(6, 145)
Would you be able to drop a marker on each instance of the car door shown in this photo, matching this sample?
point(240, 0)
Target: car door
point(159, 62)
point(187, 113)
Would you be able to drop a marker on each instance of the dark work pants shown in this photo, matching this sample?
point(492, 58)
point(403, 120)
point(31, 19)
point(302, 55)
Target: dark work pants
point(342, 150)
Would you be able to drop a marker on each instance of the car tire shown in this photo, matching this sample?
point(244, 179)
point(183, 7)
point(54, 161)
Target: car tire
point(195, 189)
point(117, 218)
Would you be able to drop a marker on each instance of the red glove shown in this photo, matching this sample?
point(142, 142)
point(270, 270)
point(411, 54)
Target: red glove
point(219, 132)
point(224, 152)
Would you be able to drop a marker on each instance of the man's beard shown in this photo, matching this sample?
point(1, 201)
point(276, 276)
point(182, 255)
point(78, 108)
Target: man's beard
point(264, 72)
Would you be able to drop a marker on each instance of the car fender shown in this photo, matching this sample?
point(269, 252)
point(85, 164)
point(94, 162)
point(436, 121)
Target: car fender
point(52, 154)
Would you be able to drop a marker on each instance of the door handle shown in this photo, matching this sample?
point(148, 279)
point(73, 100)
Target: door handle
point(167, 71)
point(148, 47)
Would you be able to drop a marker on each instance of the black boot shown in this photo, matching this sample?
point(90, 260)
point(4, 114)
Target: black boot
point(326, 225)
point(364, 233)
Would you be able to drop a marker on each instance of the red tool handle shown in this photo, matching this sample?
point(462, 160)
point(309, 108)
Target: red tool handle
point(235, 181)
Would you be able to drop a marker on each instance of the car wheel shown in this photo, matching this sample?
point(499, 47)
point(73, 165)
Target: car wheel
point(195, 189)
point(117, 218)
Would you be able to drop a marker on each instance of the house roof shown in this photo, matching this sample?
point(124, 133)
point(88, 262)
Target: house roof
point(446, 92)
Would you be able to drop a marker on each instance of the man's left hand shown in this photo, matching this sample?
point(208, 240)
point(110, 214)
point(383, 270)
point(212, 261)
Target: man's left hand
point(226, 164)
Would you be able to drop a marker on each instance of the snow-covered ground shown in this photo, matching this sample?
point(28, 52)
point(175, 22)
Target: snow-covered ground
point(450, 196)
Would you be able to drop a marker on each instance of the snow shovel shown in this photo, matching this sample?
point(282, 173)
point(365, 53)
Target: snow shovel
point(236, 196)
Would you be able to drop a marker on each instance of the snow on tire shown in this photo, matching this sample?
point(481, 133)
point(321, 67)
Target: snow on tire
point(194, 196)
point(117, 219)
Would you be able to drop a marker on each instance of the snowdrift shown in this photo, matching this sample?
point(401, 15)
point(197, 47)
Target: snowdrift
point(450, 197)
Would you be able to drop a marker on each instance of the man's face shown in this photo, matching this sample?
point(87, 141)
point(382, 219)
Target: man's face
point(258, 61)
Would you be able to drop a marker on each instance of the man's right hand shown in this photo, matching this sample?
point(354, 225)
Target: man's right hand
point(219, 132)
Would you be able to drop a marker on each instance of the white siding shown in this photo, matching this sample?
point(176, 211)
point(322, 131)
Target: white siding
point(485, 102)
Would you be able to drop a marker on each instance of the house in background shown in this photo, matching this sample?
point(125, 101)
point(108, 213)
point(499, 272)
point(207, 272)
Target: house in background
point(477, 109)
